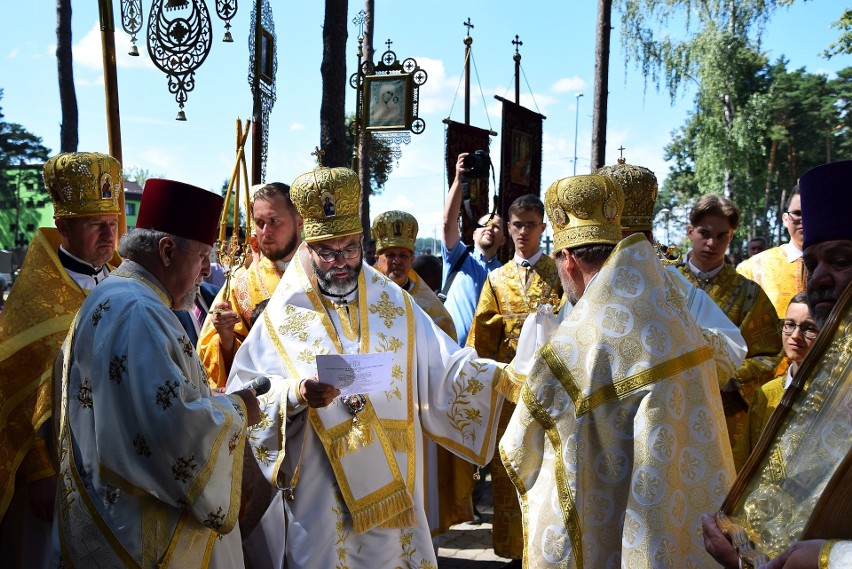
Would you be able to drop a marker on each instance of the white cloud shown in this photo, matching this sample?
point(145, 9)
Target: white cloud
point(88, 52)
point(13, 54)
point(568, 85)
point(296, 126)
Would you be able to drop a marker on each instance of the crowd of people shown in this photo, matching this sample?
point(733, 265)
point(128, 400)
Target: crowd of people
point(633, 407)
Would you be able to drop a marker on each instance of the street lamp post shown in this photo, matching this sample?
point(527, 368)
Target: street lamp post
point(576, 127)
point(666, 215)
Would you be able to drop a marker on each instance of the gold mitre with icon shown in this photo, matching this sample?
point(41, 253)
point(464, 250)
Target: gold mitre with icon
point(584, 210)
point(83, 183)
point(394, 229)
point(329, 200)
point(640, 193)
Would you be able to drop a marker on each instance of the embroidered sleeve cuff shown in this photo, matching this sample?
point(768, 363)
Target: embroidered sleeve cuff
point(510, 383)
point(294, 397)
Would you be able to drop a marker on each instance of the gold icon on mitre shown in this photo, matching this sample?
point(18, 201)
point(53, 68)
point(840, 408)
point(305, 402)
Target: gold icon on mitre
point(329, 200)
point(640, 193)
point(394, 229)
point(84, 183)
point(584, 210)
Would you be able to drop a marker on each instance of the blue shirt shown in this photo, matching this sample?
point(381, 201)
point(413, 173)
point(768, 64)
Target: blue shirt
point(463, 295)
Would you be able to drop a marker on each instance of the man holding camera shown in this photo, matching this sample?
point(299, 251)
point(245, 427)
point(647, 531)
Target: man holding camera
point(466, 266)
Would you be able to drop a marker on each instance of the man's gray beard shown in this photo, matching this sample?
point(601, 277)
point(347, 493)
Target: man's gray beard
point(188, 301)
point(334, 286)
point(283, 251)
point(821, 316)
point(570, 291)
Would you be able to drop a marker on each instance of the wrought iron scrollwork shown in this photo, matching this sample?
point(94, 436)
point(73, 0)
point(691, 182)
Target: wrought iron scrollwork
point(267, 85)
point(131, 22)
point(178, 45)
point(226, 9)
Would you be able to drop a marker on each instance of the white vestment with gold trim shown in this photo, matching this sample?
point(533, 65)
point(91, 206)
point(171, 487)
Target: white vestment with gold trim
point(358, 480)
point(150, 462)
point(619, 442)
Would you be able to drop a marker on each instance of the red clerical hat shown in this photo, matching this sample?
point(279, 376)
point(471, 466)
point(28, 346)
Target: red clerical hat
point(180, 209)
point(825, 192)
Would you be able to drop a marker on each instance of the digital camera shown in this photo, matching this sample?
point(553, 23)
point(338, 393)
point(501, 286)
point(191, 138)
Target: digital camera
point(479, 163)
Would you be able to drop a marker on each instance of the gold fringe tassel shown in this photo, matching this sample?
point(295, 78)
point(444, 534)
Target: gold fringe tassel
point(399, 440)
point(398, 508)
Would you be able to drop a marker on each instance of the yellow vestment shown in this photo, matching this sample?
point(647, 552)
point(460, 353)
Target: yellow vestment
point(505, 302)
point(33, 325)
point(795, 485)
point(779, 272)
point(618, 443)
point(248, 288)
point(747, 306)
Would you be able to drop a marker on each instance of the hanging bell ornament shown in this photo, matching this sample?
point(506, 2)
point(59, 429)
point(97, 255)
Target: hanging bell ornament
point(134, 51)
point(228, 37)
point(181, 116)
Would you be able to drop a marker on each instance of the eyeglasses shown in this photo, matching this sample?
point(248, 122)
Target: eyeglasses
point(329, 255)
point(795, 216)
point(529, 225)
point(808, 331)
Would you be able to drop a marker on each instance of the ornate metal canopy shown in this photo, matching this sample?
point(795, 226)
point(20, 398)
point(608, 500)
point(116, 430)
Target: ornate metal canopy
point(180, 36)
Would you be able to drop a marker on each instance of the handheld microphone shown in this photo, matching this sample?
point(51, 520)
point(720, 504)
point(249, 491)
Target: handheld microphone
point(259, 385)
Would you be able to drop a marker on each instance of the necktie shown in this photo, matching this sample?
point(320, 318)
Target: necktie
point(526, 265)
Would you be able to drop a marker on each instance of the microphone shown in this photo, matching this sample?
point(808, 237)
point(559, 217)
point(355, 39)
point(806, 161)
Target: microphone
point(259, 385)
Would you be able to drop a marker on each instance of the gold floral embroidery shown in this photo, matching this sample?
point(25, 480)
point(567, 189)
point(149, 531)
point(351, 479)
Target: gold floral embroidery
point(388, 343)
point(460, 417)
point(408, 552)
point(296, 323)
point(342, 534)
point(387, 309)
point(309, 355)
point(396, 374)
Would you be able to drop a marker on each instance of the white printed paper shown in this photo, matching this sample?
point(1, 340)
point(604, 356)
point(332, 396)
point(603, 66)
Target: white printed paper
point(356, 373)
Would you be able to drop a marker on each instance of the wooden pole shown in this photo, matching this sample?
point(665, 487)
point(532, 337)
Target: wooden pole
point(111, 91)
point(601, 84)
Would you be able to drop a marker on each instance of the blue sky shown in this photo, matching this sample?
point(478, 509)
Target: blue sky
point(558, 62)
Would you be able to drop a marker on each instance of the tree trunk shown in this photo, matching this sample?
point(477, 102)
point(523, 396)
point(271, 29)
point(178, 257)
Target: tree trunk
point(68, 130)
point(334, 84)
point(365, 138)
point(764, 222)
point(601, 84)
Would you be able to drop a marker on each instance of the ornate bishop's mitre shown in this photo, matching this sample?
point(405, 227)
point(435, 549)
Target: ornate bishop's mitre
point(584, 210)
point(640, 193)
point(328, 199)
point(83, 183)
point(394, 229)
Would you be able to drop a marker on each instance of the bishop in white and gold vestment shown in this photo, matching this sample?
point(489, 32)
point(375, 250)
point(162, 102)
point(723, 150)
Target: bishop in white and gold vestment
point(353, 475)
point(619, 440)
point(150, 462)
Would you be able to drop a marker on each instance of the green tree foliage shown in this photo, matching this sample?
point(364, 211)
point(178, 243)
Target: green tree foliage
point(843, 45)
point(788, 122)
point(22, 192)
point(381, 158)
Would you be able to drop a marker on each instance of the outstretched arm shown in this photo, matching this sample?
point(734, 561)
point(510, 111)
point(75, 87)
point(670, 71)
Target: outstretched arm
point(453, 206)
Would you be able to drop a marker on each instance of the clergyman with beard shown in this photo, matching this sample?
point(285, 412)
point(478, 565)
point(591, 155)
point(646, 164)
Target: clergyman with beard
point(351, 468)
point(150, 460)
point(792, 496)
point(278, 229)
